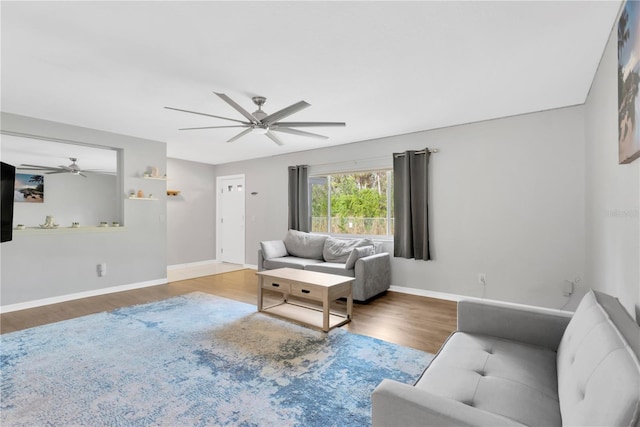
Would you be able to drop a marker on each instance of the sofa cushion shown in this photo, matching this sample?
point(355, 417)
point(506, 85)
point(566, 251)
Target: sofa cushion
point(358, 253)
point(507, 378)
point(304, 245)
point(290, 262)
point(273, 249)
point(338, 250)
point(331, 268)
point(598, 369)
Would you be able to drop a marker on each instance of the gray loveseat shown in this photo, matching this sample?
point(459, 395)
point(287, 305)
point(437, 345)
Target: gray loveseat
point(524, 366)
point(358, 258)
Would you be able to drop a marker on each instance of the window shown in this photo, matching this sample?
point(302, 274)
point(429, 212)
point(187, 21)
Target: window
point(352, 203)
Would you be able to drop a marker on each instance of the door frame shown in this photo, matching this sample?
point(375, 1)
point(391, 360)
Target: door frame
point(219, 180)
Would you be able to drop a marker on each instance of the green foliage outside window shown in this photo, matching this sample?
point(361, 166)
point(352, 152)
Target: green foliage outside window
point(358, 203)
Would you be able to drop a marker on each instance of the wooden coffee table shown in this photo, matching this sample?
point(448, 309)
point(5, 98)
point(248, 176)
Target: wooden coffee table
point(310, 285)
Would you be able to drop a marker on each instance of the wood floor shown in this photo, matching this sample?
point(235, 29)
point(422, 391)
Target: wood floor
point(409, 320)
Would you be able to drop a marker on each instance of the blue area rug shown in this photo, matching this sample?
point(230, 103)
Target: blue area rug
point(196, 359)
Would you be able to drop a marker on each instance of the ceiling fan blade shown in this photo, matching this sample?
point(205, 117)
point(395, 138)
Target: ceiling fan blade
point(237, 107)
point(81, 174)
point(67, 168)
point(274, 138)
point(208, 115)
point(215, 127)
point(57, 171)
point(36, 167)
point(308, 124)
point(285, 112)
point(298, 132)
point(241, 134)
point(98, 171)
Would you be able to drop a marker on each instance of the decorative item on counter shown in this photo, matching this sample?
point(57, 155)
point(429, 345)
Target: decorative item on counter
point(104, 224)
point(146, 174)
point(115, 224)
point(75, 224)
point(140, 193)
point(150, 195)
point(154, 171)
point(132, 194)
point(20, 226)
point(49, 222)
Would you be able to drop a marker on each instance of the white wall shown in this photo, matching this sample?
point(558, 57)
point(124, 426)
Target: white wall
point(191, 216)
point(507, 200)
point(612, 202)
point(54, 265)
point(72, 198)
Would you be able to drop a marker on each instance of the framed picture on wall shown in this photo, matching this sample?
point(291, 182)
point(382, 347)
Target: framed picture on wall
point(628, 78)
point(29, 188)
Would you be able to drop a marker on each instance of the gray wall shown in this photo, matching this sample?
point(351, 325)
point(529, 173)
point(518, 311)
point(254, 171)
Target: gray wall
point(613, 200)
point(191, 216)
point(43, 266)
point(507, 200)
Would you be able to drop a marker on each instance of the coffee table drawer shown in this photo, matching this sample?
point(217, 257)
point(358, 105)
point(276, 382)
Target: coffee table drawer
point(306, 291)
point(277, 285)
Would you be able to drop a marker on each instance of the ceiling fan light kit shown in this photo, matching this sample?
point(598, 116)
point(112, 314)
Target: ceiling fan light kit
point(262, 123)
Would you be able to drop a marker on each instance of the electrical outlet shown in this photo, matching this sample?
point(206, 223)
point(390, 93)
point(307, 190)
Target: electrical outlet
point(482, 279)
point(567, 288)
point(102, 269)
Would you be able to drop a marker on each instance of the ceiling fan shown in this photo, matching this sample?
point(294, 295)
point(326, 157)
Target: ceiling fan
point(73, 169)
point(261, 122)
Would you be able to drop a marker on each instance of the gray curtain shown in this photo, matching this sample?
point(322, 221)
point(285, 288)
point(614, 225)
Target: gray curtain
point(298, 198)
point(411, 204)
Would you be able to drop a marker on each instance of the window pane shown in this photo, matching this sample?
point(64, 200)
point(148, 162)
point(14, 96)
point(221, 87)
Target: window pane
point(319, 204)
point(359, 203)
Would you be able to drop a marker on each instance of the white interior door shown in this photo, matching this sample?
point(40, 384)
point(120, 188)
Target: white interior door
point(231, 192)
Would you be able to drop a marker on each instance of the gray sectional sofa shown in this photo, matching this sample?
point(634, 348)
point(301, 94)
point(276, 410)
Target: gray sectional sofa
point(518, 366)
point(358, 258)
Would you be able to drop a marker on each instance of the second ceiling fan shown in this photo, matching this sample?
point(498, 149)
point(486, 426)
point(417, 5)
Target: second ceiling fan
point(264, 123)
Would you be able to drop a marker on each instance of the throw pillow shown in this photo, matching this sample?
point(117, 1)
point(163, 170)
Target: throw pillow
point(338, 250)
point(356, 254)
point(304, 245)
point(273, 249)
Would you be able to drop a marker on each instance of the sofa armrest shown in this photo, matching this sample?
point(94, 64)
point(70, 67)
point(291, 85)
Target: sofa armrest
point(397, 404)
point(260, 260)
point(373, 276)
point(532, 325)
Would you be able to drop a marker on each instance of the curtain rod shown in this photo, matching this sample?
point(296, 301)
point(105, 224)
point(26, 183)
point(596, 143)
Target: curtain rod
point(357, 161)
point(431, 151)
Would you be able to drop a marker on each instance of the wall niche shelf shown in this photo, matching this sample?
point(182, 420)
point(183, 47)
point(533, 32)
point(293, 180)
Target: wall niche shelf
point(157, 178)
point(142, 198)
point(66, 230)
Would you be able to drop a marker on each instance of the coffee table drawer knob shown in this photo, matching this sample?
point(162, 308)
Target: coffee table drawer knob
point(306, 291)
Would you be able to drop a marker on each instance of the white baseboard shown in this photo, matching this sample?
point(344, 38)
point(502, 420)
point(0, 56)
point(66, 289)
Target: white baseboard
point(457, 298)
point(79, 295)
point(427, 293)
point(202, 263)
point(192, 264)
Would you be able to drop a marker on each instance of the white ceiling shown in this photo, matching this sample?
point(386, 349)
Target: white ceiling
point(384, 68)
